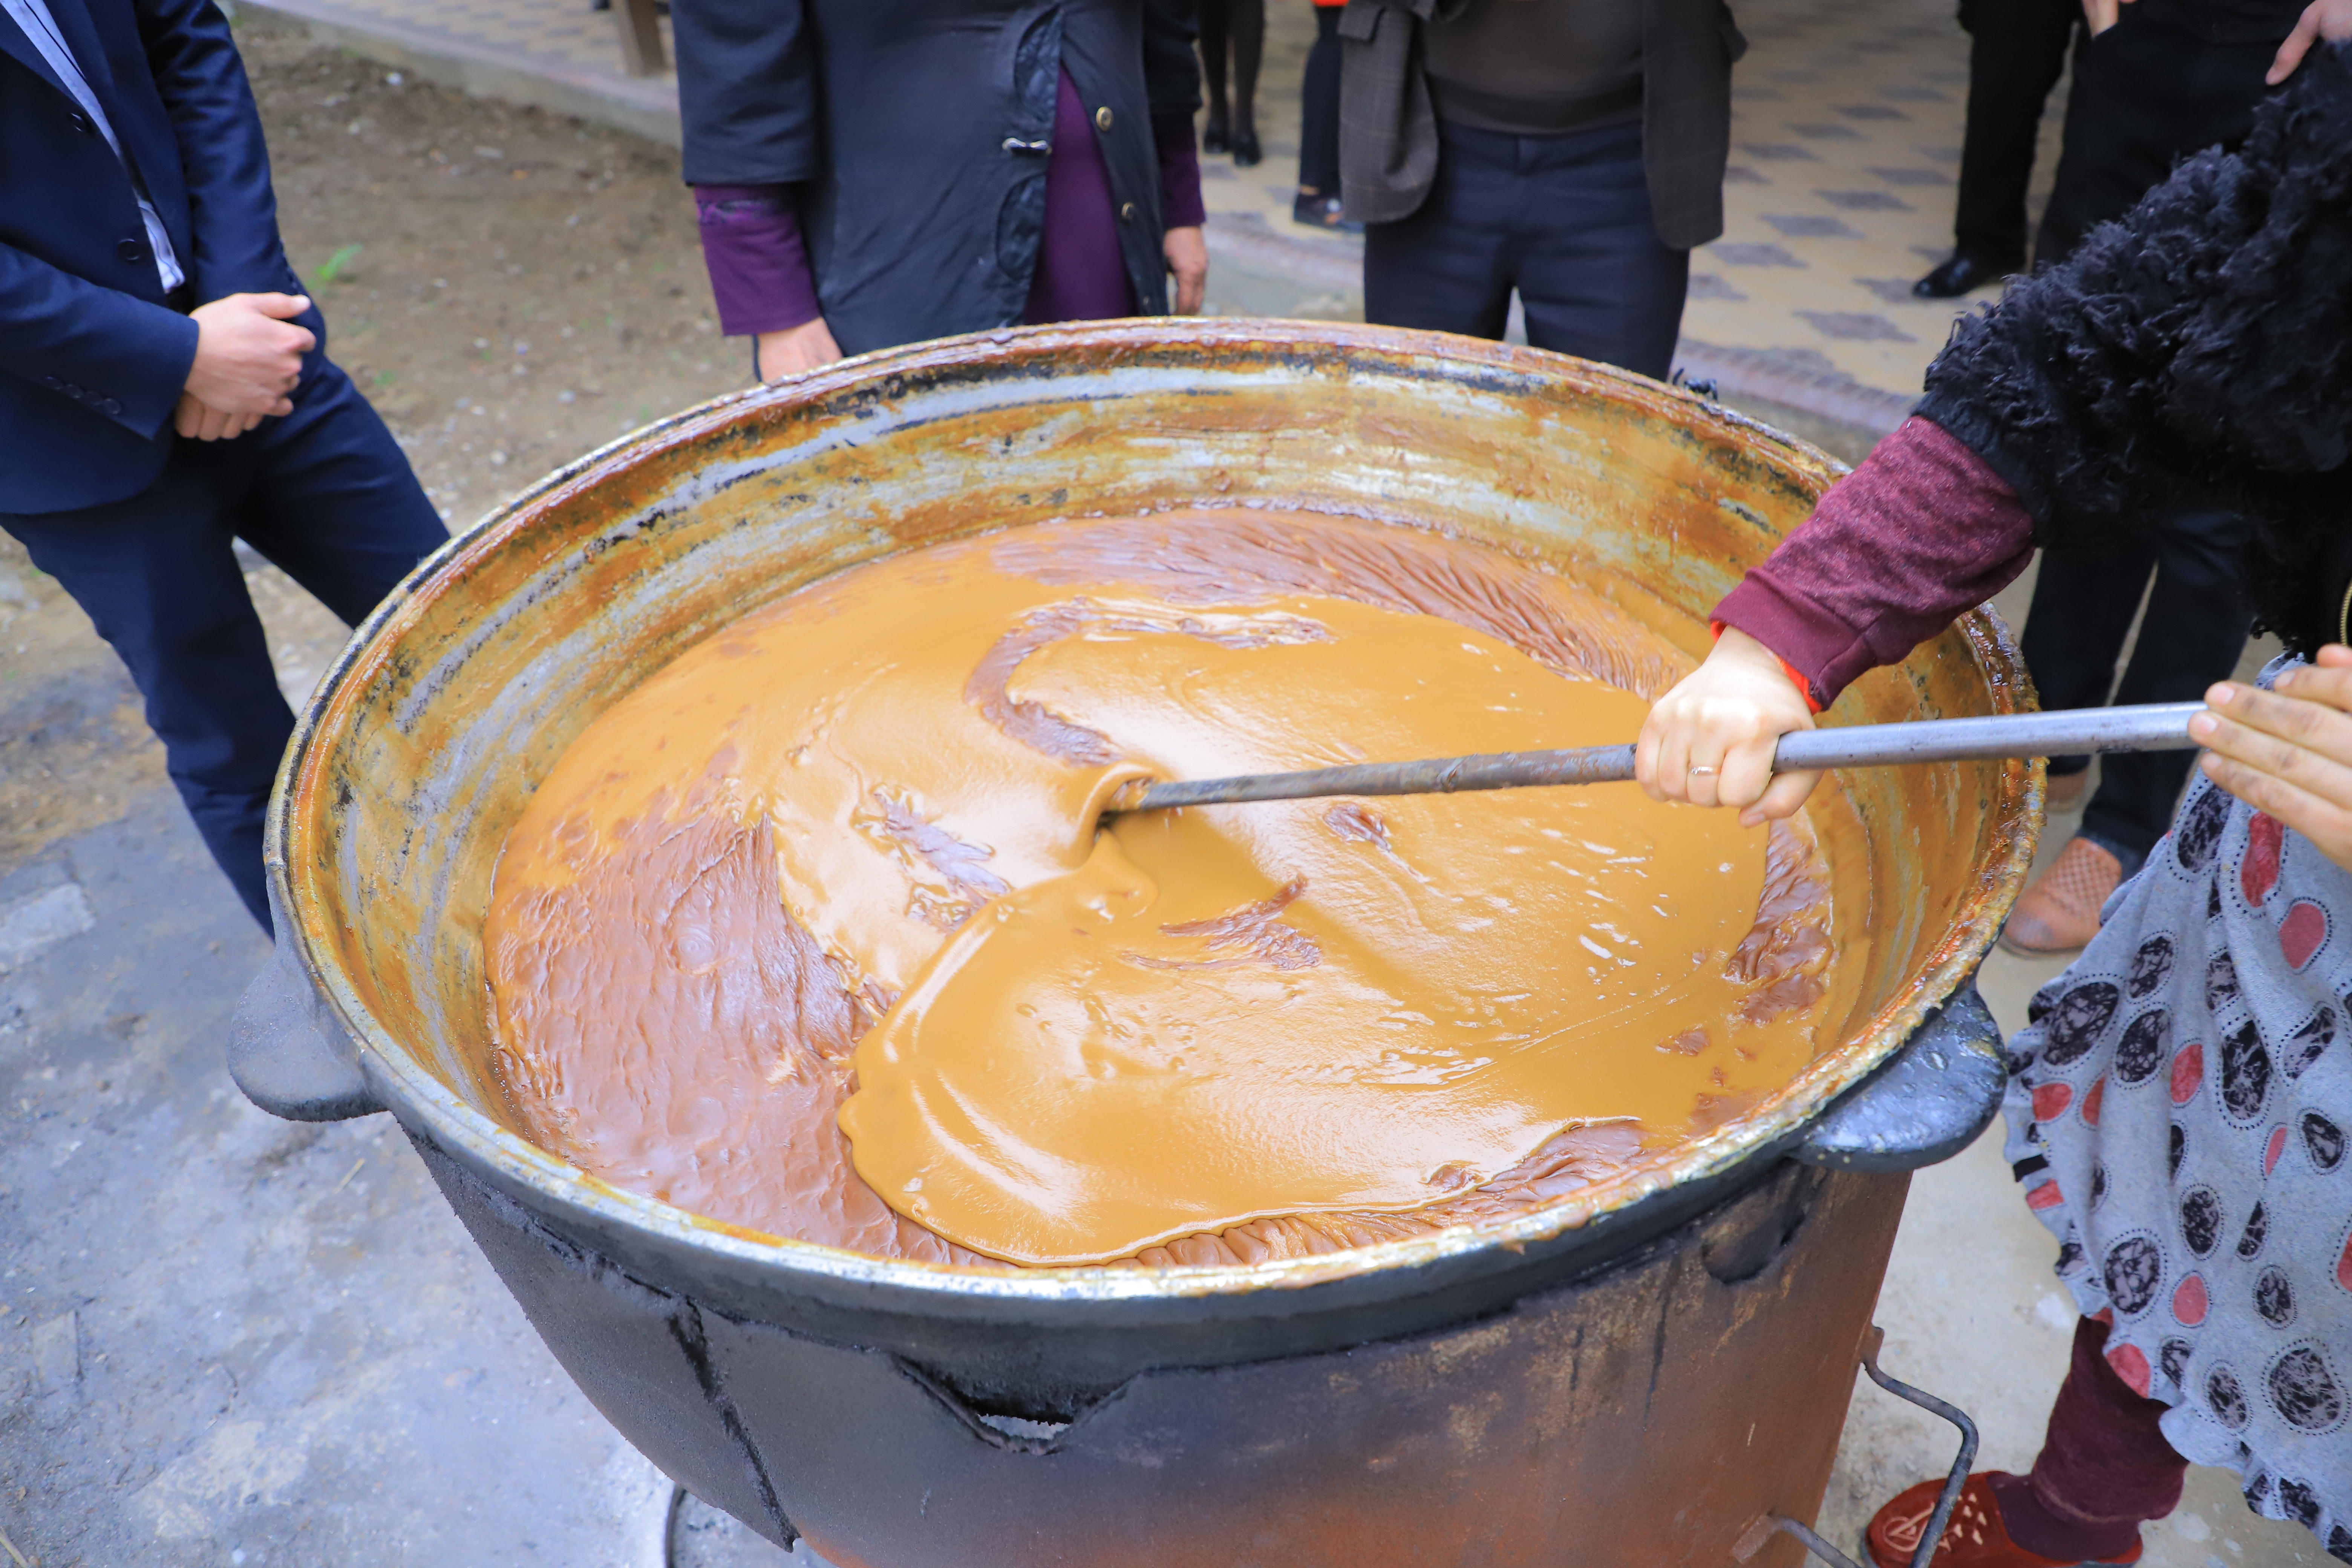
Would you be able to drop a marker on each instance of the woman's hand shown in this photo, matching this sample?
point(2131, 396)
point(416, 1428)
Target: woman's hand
point(1188, 260)
point(794, 350)
point(2328, 19)
point(2288, 751)
point(1710, 739)
point(2103, 13)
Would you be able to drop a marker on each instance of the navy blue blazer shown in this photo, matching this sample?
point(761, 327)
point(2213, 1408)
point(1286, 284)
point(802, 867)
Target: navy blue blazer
point(92, 360)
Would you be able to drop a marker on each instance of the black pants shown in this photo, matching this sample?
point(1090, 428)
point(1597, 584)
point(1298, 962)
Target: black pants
point(1241, 23)
point(326, 494)
point(2017, 49)
point(2191, 636)
point(1318, 129)
point(1564, 220)
point(2145, 97)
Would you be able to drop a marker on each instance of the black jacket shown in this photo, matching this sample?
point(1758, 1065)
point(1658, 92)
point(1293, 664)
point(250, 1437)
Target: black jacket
point(1387, 129)
point(92, 360)
point(2198, 349)
point(916, 132)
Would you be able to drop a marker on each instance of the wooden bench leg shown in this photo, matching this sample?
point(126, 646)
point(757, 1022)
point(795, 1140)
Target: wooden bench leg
point(641, 39)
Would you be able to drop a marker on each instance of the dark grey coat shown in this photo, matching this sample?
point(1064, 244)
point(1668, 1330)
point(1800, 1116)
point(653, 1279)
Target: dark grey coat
point(918, 131)
point(1387, 129)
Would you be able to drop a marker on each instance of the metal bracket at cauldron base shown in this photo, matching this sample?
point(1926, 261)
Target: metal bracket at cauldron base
point(1762, 1531)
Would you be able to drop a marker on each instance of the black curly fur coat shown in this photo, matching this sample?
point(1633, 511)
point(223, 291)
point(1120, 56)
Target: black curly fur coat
point(2198, 349)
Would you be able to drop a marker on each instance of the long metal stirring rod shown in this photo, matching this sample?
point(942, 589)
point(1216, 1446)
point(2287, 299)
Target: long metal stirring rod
point(2153, 727)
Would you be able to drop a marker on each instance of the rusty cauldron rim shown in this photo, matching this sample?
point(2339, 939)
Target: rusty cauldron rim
point(425, 1104)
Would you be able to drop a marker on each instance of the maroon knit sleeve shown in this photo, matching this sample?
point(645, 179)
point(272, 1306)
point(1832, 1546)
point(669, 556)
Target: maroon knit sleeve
point(1179, 171)
point(1898, 550)
point(759, 275)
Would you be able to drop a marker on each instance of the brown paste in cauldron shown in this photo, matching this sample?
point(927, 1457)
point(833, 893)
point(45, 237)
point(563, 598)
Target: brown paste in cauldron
point(814, 933)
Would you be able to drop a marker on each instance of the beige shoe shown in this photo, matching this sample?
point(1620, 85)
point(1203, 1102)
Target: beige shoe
point(2060, 912)
point(2063, 792)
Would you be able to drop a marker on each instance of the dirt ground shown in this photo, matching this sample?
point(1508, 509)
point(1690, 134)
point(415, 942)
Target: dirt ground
point(513, 289)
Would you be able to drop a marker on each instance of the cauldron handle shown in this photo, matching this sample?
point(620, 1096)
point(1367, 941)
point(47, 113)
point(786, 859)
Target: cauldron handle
point(1925, 1105)
point(286, 1051)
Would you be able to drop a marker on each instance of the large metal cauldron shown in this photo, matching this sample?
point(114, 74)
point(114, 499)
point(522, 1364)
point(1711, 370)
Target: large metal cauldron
point(1632, 1377)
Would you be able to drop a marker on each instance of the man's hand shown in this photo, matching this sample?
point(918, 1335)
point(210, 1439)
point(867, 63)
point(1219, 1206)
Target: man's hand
point(2328, 19)
point(200, 420)
point(1187, 259)
point(248, 358)
point(793, 350)
point(2288, 751)
point(1710, 739)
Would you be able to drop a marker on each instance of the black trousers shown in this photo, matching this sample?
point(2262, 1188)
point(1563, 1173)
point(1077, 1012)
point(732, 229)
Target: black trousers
point(2017, 49)
point(2145, 96)
point(1319, 128)
point(1563, 220)
point(325, 493)
point(1241, 23)
point(2194, 630)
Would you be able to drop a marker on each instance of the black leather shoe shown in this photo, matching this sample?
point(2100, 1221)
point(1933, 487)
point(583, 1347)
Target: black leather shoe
point(1214, 138)
point(1961, 275)
point(1246, 153)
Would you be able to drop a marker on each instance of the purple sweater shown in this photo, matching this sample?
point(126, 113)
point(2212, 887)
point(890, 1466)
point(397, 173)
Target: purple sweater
point(758, 264)
point(1897, 551)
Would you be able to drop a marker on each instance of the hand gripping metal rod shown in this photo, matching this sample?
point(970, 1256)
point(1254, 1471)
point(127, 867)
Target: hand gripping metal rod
point(2154, 727)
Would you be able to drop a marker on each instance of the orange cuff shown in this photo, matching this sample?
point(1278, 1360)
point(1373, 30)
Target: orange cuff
point(1796, 678)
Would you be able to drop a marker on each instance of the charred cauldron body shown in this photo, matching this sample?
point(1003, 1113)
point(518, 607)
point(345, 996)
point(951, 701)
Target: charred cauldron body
point(1634, 1376)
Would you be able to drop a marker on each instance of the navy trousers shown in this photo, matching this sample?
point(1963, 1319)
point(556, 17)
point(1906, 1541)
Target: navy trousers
point(327, 495)
point(1563, 220)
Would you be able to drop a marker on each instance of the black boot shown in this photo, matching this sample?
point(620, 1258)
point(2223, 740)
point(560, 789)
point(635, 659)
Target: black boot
point(1964, 274)
point(1214, 138)
point(1246, 152)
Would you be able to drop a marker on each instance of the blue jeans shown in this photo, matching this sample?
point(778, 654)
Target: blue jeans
point(327, 495)
point(1564, 220)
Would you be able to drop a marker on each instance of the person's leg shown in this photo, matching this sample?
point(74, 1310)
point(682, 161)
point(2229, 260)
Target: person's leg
point(2105, 1468)
point(1217, 136)
point(2193, 635)
point(2017, 50)
point(1318, 127)
point(2084, 601)
point(2082, 609)
point(1246, 23)
point(327, 494)
point(2144, 97)
point(1594, 280)
point(1447, 267)
point(333, 503)
point(157, 574)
